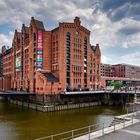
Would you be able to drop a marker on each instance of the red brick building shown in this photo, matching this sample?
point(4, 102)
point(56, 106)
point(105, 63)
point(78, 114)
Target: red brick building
point(105, 70)
point(20, 66)
point(126, 70)
point(120, 72)
point(54, 61)
point(0, 65)
point(6, 68)
point(95, 64)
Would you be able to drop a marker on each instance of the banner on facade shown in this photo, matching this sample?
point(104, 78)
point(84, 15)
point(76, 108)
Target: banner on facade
point(39, 50)
point(18, 64)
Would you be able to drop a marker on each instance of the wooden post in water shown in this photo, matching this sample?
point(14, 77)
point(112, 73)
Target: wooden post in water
point(43, 100)
point(22, 102)
point(16, 101)
point(28, 101)
point(36, 101)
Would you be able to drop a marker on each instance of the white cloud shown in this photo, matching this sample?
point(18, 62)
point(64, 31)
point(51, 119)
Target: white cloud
point(6, 39)
point(132, 58)
point(108, 33)
point(104, 59)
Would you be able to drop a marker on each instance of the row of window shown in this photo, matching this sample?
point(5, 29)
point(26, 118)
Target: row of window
point(55, 67)
point(76, 74)
point(55, 37)
point(77, 81)
point(77, 56)
point(7, 58)
point(6, 70)
point(7, 64)
point(85, 66)
point(68, 58)
point(77, 51)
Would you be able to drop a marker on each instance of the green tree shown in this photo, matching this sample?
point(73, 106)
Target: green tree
point(116, 84)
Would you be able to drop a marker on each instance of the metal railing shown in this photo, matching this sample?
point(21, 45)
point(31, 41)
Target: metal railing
point(101, 128)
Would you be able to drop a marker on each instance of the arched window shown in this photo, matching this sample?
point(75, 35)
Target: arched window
point(85, 61)
point(68, 43)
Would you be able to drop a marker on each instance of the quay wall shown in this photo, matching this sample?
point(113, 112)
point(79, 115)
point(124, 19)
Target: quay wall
point(52, 108)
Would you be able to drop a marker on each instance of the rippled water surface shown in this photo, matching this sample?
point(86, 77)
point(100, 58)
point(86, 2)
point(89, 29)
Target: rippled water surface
point(23, 124)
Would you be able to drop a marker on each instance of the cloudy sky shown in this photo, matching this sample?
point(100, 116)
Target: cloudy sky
point(114, 24)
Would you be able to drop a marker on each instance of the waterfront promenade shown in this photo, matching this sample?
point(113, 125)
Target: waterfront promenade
point(99, 131)
point(119, 126)
point(129, 133)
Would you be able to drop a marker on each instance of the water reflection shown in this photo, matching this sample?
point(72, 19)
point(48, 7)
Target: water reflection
point(23, 124)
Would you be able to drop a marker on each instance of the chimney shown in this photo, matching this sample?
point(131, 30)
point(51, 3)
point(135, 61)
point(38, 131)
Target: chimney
point(3, 49)
point(97, 45)
point(77, 21)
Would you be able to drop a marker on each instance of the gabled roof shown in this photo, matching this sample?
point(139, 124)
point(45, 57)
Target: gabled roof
point(93, 47)
point(39, 24)
point(56, 29)
point(50, 77)
point(8, 50)
point(27, 29)
point(96, 49)
point(18, 34)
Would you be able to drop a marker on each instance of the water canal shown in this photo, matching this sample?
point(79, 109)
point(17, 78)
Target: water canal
point(23, 124)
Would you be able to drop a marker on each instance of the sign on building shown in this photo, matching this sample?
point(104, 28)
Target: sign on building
point(39, 50)
point(18, 63)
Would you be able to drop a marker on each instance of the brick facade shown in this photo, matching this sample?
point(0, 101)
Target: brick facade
point(7, 67)
point(120, 70)
point(54, 61)
point(0, 65)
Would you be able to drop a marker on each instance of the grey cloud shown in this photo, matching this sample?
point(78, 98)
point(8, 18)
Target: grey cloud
point(129, 30)
point(119, 9)
point(112, 22)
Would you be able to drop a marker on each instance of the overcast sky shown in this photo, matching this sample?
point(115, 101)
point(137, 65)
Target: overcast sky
point(114, 24)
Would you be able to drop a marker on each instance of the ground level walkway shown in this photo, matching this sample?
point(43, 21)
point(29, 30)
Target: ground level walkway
point(129, 133)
